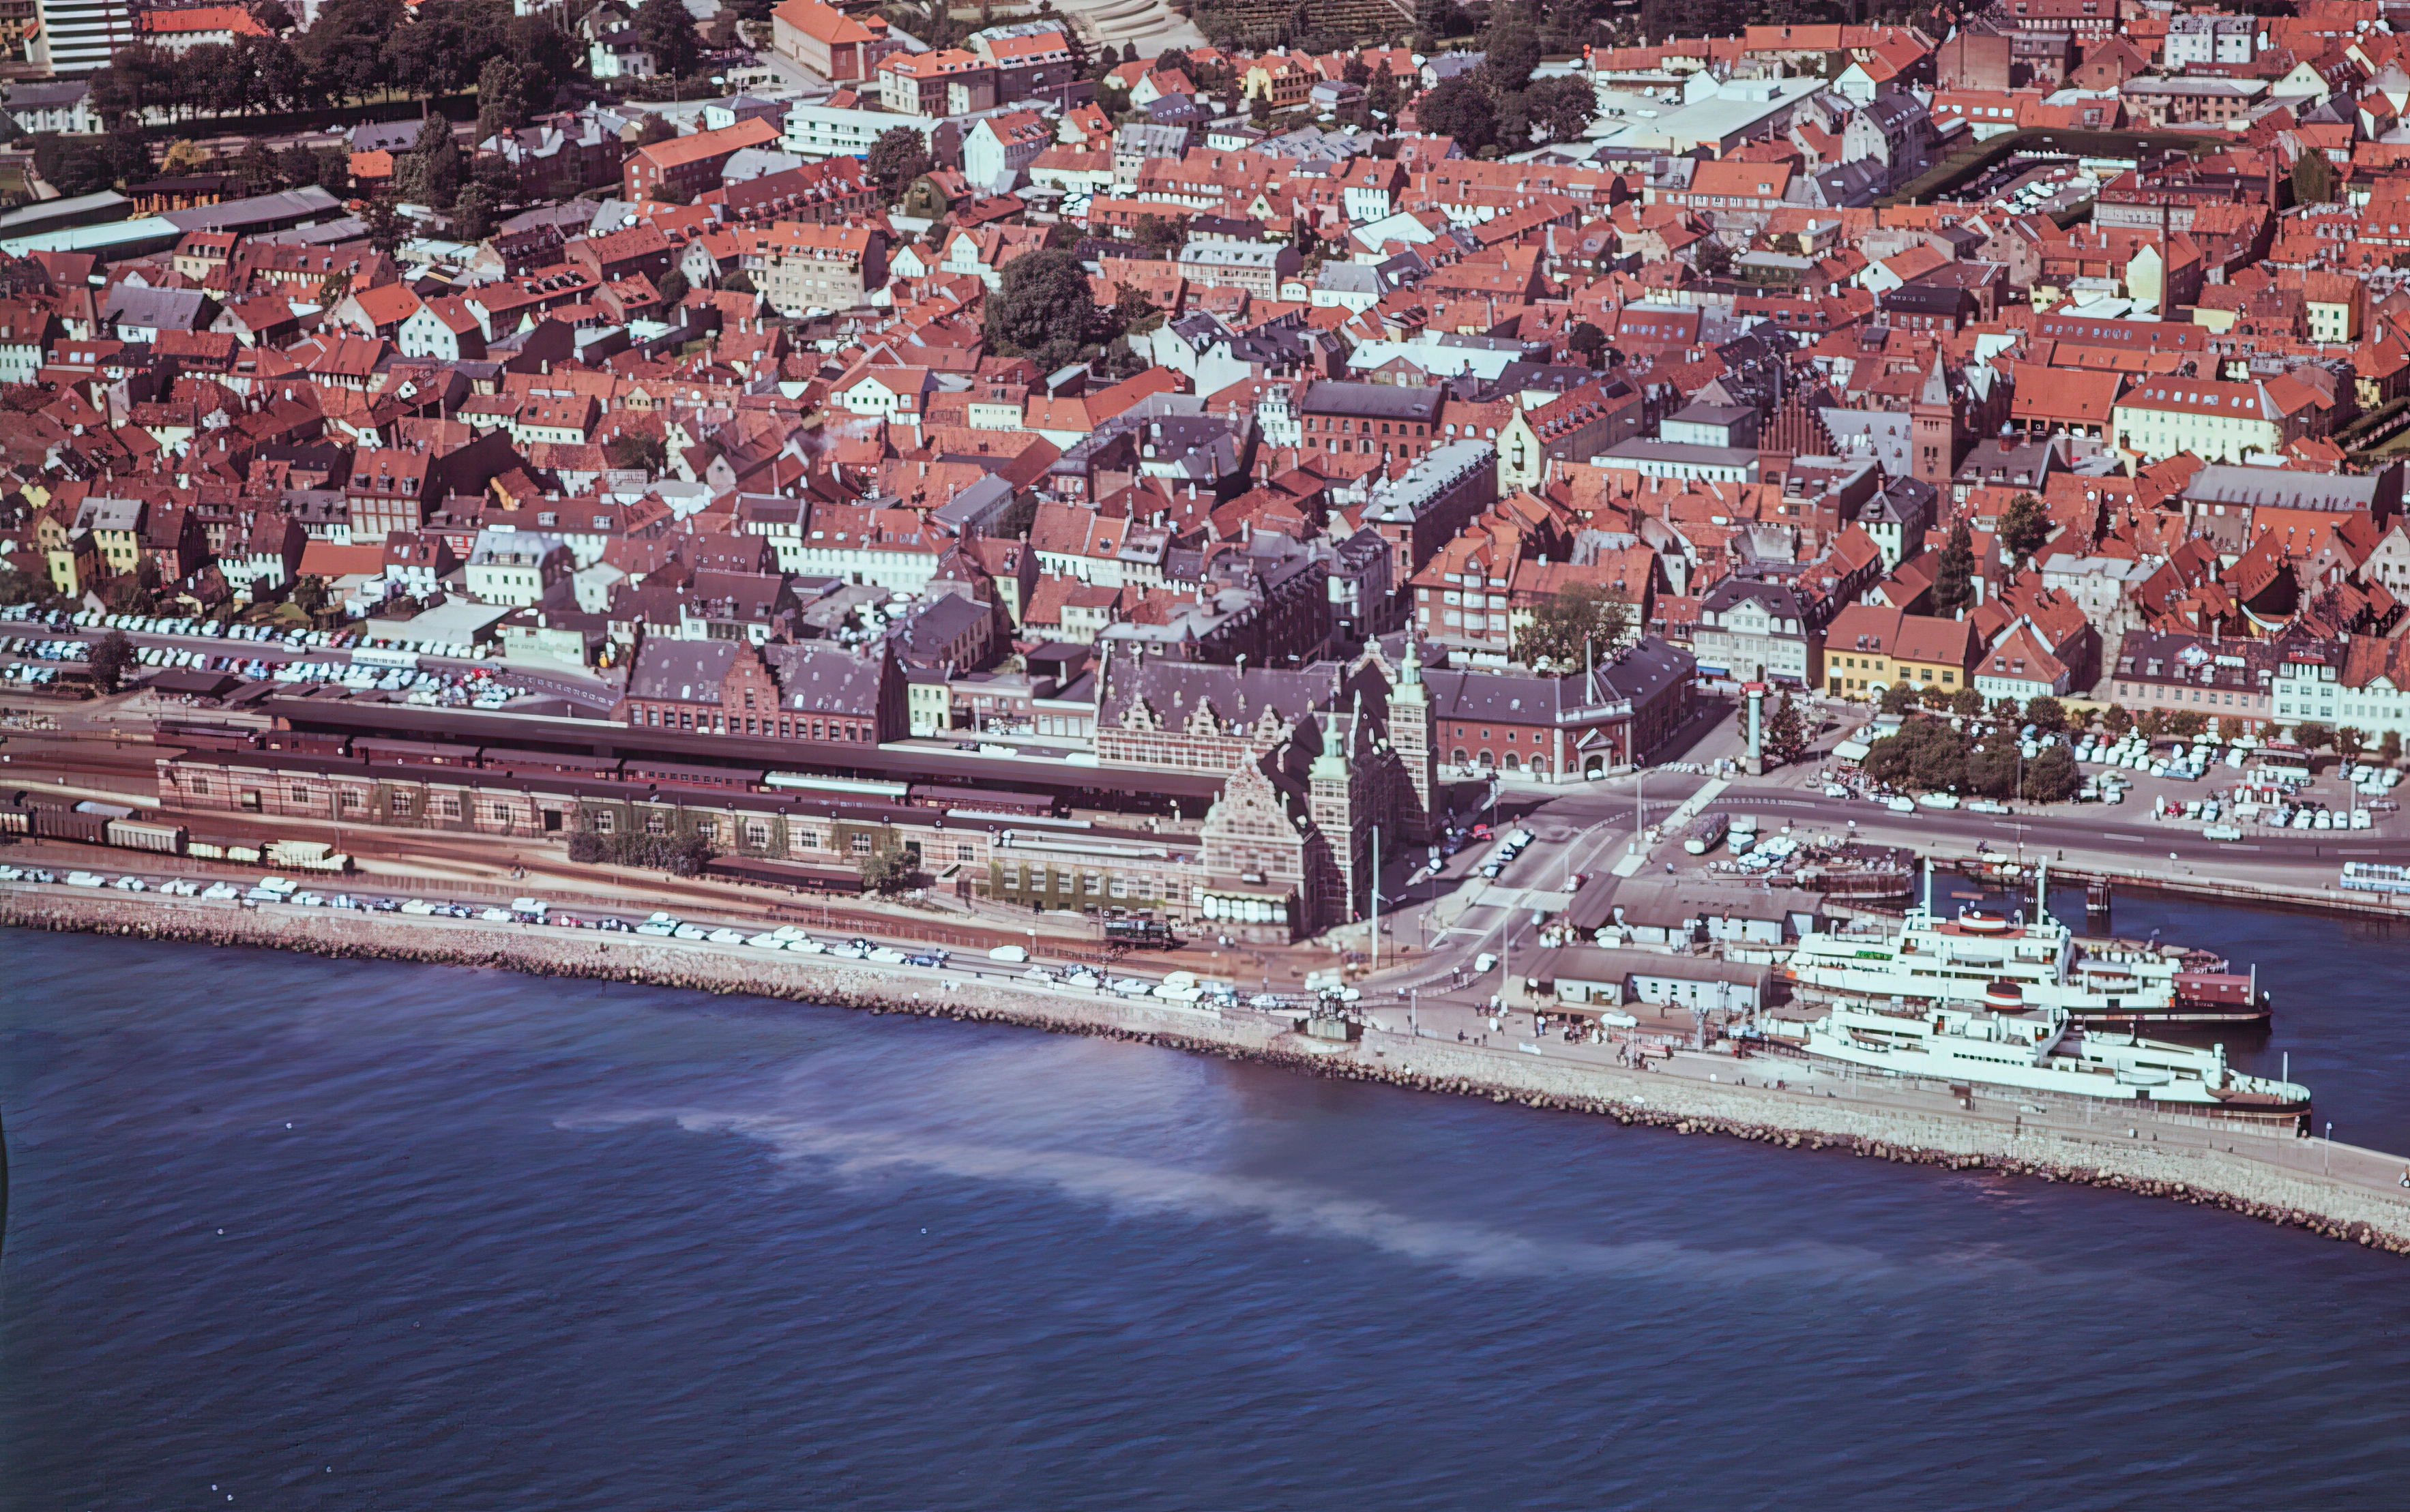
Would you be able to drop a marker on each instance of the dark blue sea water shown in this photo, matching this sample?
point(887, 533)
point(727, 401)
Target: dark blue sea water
point(290, 1234)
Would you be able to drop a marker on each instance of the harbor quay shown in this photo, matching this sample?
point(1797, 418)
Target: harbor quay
point(2337, 1190)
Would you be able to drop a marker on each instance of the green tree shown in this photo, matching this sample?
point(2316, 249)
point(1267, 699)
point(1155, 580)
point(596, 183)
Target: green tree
point(1461, 109)
point(2024, 526)
point(1924, 753)
point(2350, 742)
point(1160, 233)
point(2151, 723)
point(2388, 750)
point(472, 212)
point(297, 165)
point(2314, 178)
point(501, 97)
point(2004, 711)
point(1564, 106)
point(1572, 628)
point(1899, 698)
point(1966, 704)
point(1042, 309)
point(1382, 96)
point(110, 657)
point(261, 172)
point(387, 228)
point(2117, 721)
point(634, 449)
point(1585, 342)
point(1511, 47)
point(1953, 575)
point(900, 156)
point(889, 870)
point(673, 287)
point(2313, 736)
point(2050, 777)
point(2186, 723)
point(278, 80)
point(1786, 734)
point(1992, 768)
point(343, 54)
point(429, 173)
point(667, 31)
point(1934, 696)
point(1259, 110)
point(2046, 712)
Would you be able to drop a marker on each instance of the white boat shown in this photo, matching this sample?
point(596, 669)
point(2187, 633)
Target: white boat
point(1929, 960)
point(2048, 1052)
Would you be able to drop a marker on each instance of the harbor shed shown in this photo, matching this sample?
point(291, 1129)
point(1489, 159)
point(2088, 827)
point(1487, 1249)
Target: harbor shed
point(1587, 978)
point(1679, 911)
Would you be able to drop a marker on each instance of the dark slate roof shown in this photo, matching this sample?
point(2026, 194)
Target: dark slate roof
point(1379, 402)
point(1781, 599)
point(1637, 675)
point(686, 672)
point(818, 678)
point(180, 309)
point(1237, 695)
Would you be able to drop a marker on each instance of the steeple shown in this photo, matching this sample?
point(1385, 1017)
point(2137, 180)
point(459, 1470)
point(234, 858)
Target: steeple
point(1937, 384)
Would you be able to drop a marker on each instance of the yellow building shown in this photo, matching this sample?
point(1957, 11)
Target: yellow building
point(74, 563)
point(1869, 648)
point(2335, 303)
point(116, 528)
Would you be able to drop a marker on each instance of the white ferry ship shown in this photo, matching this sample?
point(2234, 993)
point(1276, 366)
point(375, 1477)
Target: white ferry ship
point(2002, 1045)
point(1927, 960)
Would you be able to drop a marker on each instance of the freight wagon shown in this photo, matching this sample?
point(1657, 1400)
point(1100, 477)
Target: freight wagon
point(37, 816)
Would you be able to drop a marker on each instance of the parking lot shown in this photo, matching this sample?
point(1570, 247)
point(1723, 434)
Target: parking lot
point(49, 644)
point(2222, 790)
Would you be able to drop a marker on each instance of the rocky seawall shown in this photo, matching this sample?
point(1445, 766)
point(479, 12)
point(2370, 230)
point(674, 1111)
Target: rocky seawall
point(2236, 1181)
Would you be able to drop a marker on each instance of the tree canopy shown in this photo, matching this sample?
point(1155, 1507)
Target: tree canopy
point(1786, 734)
point(1511, 47)
point(1043, 308)
point(111, 656)
point(668, 33)
point(1459, 107)
point(2025, 525)
point(900, 156)
point(1953, 575)
point(1575, 626)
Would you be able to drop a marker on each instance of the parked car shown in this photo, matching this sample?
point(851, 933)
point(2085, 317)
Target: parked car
point(1899, 804)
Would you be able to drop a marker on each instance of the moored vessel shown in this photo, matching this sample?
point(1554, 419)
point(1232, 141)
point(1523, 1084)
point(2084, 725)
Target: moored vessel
point(2003, 1044)
point(1926, 959)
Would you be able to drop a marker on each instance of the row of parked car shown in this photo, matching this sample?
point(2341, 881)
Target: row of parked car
point(1181, 988)
point(134, 624)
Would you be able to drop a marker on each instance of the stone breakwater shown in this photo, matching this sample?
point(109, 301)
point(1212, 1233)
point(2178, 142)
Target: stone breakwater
point(2234, 1181)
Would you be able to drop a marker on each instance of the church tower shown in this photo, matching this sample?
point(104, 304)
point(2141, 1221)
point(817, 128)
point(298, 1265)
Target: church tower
point(1411, 738)
point(1343, 822)
point(1937, 434)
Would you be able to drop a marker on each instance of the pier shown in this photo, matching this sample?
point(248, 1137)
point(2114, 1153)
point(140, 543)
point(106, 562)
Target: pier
point(2338, 1190)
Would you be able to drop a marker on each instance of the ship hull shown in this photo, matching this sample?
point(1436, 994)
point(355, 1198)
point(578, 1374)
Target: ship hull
point(2291, 1112)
